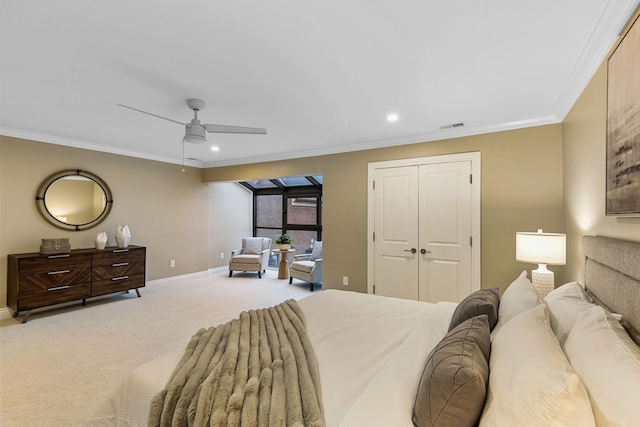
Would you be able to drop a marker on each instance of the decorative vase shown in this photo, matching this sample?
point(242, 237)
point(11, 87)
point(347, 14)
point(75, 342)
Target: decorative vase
point(123, 236)
point(101, 240)
point(284, 247)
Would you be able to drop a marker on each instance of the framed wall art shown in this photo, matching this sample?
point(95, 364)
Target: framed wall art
point(623, 126)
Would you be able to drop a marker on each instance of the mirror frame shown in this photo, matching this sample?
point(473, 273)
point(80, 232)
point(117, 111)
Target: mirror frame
point(42, 208)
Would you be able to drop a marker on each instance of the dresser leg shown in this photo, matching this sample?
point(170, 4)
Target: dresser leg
point(15, 313)
point(138, 292)
point(26, 316)
point(84, 302)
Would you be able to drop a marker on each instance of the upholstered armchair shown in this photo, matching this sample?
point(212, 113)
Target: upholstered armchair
point(254, 256)
point(308, 267)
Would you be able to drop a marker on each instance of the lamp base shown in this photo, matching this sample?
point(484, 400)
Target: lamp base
point(542, 280)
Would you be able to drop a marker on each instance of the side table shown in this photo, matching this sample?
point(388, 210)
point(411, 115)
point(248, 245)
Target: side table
point(283, 266)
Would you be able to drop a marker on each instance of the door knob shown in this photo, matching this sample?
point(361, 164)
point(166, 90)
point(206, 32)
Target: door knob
point(412, 250)
point(424, 251)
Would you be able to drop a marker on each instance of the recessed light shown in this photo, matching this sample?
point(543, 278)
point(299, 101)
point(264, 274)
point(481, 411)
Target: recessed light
point(214, 148)
point(392, 118)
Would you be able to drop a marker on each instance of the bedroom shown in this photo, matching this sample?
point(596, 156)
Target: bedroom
point(168, 210)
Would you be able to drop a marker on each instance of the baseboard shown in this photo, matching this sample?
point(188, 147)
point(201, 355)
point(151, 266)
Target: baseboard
point(5, 313)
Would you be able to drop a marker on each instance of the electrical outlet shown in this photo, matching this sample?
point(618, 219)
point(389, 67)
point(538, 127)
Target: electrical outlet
point(345, 280)
point(173, 263)
point(221, 255)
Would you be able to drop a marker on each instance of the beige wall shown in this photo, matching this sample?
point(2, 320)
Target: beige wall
point(584, 136)
point(166, 210)
point(521, 191)
point(230, 219)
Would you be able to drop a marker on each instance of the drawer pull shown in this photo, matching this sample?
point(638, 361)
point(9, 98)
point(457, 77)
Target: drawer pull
point(122, 264)
point(57, 288)
point(59, 256)
point(120, 250)
point(59, 272)
point(119, 278)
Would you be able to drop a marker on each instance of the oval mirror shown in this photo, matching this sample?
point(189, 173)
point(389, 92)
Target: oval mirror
point(74, 200)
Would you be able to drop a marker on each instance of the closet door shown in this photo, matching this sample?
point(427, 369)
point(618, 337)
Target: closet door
point(396, 232)
point(422, 231)
point(445, 231)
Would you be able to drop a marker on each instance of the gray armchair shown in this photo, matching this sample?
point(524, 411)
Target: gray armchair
point(254, 256)
point(308, 267)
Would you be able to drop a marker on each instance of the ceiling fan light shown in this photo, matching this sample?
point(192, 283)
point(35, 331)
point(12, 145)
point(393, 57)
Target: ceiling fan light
point(195, 134)
point(194, 139)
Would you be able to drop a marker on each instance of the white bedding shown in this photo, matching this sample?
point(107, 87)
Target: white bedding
point(371, 352)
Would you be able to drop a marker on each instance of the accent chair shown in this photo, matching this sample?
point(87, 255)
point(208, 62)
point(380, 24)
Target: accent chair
point(308, 267)
point(253, 256)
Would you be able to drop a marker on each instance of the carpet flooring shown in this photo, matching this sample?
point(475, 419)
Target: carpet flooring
point(56, 368)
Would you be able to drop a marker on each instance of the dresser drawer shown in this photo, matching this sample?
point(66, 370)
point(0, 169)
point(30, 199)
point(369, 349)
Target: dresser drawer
point(54, 295)
point(54, 279)
point(117, 284)
point(116, 256)
point(118, 269)
point(45, 264)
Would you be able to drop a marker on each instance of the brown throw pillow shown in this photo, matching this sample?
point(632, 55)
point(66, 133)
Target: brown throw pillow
point(453, 385)
point(484, 301)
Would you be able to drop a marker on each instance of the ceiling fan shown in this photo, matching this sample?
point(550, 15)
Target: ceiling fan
point(195, 132)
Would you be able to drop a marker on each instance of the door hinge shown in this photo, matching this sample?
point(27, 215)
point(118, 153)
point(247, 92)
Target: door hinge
point(374, 185)
point(374, 289)
point(470, 179)
point(374, 236)
point(470, 240)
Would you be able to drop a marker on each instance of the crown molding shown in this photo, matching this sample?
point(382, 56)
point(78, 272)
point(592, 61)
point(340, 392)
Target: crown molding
point(74, 143)
point(369, 145)
point(391, 142)
point(615, 14)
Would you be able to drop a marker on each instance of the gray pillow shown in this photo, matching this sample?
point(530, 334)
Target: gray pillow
point(484, 301)
point(252, 245)
point(453, 385)
point(316, 253)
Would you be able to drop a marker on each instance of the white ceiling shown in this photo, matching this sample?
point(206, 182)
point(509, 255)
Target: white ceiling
point(320, 75)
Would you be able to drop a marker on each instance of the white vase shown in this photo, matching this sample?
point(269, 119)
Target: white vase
point(101, 240)
point(123, 236)
point(284, 247)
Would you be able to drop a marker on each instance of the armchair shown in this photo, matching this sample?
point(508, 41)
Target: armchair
point(254, 256)
point(308, 267)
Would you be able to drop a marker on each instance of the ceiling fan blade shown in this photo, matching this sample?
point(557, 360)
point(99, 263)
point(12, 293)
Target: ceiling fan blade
point(234, 129)
point(151, 114)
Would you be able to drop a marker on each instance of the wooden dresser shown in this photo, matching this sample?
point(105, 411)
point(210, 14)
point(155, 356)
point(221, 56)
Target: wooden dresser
point(35, 280)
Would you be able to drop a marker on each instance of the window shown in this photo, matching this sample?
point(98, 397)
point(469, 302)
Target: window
point(291, 205)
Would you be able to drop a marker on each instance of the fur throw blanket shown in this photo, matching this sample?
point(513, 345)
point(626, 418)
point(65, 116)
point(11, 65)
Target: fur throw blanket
point(258, 370)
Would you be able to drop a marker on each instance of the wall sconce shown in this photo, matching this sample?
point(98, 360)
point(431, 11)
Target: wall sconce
point(542, 249)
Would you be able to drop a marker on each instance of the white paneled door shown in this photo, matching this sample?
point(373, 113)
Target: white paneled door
point(423, 229)
point(397, 232)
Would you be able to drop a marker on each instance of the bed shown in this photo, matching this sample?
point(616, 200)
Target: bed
point(385, 361)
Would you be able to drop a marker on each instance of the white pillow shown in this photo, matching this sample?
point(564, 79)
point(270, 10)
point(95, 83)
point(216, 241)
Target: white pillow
point(520, 296)
point(608, 361)
point(531, 382)
point(252, 245)
point(566, 304)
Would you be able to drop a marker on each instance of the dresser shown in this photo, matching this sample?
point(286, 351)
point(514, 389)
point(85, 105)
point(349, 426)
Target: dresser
point(35, 280)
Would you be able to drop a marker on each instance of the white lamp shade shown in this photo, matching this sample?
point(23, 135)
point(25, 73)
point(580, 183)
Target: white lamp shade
point(541, 248)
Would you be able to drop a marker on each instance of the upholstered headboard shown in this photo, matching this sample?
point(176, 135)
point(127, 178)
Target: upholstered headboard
point(612, 277)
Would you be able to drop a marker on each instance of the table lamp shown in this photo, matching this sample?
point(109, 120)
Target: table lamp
point(542, 249)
